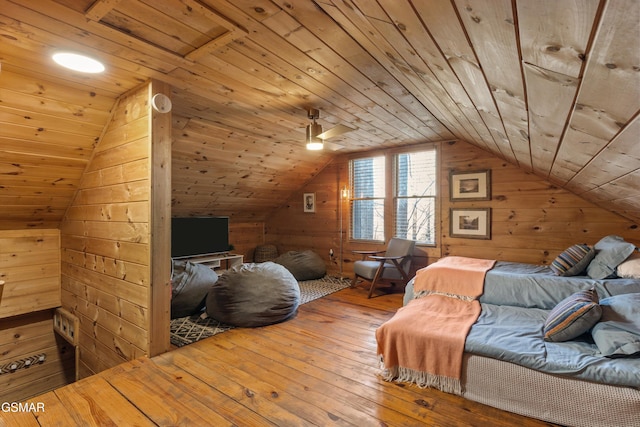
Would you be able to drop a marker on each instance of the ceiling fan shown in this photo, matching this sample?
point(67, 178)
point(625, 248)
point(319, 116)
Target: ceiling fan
point(315, 136)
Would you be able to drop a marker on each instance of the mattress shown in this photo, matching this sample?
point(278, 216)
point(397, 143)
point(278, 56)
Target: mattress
point(547, 397)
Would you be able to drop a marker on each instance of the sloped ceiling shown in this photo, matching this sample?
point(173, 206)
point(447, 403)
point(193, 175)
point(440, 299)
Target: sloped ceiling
point(551, 86)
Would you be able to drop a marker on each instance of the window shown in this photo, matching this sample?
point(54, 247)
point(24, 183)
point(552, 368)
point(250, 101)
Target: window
point(414, 197)
point(368, 195)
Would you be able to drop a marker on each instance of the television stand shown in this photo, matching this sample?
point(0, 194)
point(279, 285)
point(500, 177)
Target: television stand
point(223, 260)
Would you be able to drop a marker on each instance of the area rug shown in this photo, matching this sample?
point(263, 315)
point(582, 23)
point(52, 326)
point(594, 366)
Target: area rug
point(187, 330)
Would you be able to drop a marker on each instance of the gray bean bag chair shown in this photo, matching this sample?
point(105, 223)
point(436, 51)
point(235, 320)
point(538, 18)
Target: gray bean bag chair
point(254, 295)
point(305, 265)
point(189, 286)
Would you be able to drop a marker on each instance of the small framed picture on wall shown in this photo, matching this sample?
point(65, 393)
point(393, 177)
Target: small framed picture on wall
point(309, 202)
point(470, 223)
point(473, 185)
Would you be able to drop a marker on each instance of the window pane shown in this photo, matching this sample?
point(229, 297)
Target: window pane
point(415, 219)
point(368, 195)
point(415, 186)
point(416, 174)
point(368, 219)
point(368, 177)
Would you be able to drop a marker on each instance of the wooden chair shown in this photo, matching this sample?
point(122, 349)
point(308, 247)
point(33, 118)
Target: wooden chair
point(393, 266)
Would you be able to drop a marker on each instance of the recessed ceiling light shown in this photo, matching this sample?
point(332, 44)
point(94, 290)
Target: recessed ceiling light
point(78, 62)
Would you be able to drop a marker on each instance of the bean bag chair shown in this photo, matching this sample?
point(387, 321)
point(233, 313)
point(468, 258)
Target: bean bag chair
point(190, 284)
point(253, 295)
point(305, 265)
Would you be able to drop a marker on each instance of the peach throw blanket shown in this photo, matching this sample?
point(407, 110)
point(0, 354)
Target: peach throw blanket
point(424, 341)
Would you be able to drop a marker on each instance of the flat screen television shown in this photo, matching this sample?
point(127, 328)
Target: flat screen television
point(199, 235)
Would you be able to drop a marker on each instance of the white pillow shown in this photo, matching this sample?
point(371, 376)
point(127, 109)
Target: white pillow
point(630, 268)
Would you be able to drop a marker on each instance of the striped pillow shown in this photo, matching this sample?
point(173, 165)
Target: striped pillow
point(573, 316)
point(573, 261)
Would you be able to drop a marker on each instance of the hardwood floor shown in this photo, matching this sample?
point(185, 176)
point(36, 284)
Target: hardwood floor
point(319, 368)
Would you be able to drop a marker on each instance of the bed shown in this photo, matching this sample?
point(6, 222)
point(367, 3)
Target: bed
point(508, 361)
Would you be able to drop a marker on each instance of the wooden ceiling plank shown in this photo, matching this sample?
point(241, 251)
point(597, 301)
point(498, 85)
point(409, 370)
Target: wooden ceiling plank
point(17, 163)
point(347, 111)
point(576, 149)
point(42, 170)
point(550, 97)
point(31, 118)
point(54, 93)
point(266, 126)
point(352, 79)
point(387, 46)
point(622, 188)
point(100, 8)
point(619, 158)
point(191, 13)
point(545, 38)
point(15, 131)
point(251, 57)
point(416, 47)
point(137, 20)
point(441, 20)
point(60, 20)
point(213, 15)
point(15, 145)
point(50, 180)
point(211, 46)
point(246, 105)
point(609, 95)
point(343, 44)
point(278, 47)
point(36, 190)
point(30, 45)
point(491, 29)
point(41, 200)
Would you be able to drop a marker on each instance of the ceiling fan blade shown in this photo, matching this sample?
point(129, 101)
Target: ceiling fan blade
point(335, 131)
point(332, 146)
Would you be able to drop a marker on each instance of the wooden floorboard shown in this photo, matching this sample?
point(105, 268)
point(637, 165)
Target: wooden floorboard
point(319, 368)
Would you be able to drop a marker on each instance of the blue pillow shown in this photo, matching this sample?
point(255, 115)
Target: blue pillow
point(610, 252)
point(572, 317)
point(618, 332)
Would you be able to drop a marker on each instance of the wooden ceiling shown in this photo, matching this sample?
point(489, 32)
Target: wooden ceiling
point(551, 86)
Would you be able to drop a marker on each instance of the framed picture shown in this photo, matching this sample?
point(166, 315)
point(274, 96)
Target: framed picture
point(474, 185)
point(470, 223)
point(309, 202)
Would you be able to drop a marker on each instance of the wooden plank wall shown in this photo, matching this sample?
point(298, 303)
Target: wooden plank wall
point(245, 237)
point(28, 335)
point(532, 220)
point(106, 242)
point(30, 267)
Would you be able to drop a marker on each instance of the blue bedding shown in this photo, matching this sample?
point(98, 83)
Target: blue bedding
point(516, 301)
point(535, 286)
point(514, 334)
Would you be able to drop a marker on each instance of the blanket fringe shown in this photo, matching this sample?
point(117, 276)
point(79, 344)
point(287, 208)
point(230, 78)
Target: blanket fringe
point(421, 294)
point(421, 379)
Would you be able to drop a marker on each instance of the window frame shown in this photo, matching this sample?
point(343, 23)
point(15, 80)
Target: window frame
point(391, 191)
